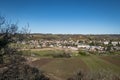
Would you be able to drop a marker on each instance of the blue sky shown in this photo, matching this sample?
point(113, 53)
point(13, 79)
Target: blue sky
point(65, 16)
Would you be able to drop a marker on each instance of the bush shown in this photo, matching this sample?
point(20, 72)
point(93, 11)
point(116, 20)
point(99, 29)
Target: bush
point(83, 53)
point(96, 75)
point(62, 55)
point(21, 72)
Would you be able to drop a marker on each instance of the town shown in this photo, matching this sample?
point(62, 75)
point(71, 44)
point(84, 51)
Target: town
point(100, 45)
point(59, 39)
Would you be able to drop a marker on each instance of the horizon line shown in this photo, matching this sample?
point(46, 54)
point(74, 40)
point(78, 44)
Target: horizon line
point(77, 33)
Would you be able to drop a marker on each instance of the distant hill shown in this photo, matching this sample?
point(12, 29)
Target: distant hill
point(37, 36)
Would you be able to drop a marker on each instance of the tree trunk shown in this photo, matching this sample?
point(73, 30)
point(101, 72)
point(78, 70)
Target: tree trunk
point(1, 59)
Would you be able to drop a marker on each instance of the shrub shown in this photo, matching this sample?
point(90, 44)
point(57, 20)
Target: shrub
point(21, 72)
point(83, 53)
point(95, 75)
point(62, 55)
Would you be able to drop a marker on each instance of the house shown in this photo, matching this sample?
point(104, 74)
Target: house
point(51, 46)
point(114, 43)
point(83, 46)
point(106, 42)
point(74, 48)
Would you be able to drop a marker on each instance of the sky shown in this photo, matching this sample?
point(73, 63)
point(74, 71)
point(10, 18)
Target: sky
point(64, 16)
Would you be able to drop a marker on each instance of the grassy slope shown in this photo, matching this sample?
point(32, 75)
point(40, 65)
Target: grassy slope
point(63, 68)
point(41, 53)
point(95, 63)
point(112, 59)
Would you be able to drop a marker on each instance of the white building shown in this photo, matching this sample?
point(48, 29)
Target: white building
point(106, 42)
point(114, 43)
point(83, 46)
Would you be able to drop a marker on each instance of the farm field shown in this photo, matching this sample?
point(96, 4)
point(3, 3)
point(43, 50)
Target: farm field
point(63, 68)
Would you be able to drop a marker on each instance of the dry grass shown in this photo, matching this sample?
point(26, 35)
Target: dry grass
point(114, 59)
point(95, 75)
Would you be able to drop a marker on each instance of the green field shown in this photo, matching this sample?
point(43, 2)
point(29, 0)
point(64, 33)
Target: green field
point(63, 68)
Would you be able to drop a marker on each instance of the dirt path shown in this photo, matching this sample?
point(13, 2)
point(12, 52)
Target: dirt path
point(41, 62)
point(43, 49)
point(53, 77)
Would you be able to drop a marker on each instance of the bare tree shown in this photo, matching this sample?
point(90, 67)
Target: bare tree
point(16, 69)
point(9, 33)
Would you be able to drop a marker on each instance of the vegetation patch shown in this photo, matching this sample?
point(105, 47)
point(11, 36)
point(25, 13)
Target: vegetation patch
point(62, 67)
point(114, 59)
point(41, 62)
point(95, 75)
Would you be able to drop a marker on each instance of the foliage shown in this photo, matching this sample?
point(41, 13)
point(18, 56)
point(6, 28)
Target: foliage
point(96, 75)
point(65, 54)
point(21, 72)
point(12, 63)
point(9, 33)
point(83, 53)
